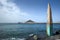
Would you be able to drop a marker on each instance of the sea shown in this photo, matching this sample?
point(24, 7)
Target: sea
point(15, 31)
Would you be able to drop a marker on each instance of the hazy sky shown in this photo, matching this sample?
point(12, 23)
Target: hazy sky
point(23, 10)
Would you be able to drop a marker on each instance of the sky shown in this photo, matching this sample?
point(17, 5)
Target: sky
point(13, 11)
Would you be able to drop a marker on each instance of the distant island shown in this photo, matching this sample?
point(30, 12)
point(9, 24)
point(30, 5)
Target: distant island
point(29, 21)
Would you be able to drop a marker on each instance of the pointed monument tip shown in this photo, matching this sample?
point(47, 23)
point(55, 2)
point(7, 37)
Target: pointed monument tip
point(48, 4)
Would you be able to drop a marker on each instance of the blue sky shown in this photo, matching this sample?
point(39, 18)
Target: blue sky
point(23, 10)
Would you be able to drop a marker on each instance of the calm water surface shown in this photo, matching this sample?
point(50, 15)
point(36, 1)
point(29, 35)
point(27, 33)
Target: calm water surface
point(21, 31)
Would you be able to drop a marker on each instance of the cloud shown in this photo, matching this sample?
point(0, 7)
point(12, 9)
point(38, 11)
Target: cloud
point(10, 12)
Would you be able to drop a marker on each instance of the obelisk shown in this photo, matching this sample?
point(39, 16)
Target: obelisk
point(49, 21)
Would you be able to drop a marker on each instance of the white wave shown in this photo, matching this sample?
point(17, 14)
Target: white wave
point(14, 39)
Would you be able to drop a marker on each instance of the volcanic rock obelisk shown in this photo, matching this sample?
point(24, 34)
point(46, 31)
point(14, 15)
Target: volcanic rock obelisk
point(49, 21)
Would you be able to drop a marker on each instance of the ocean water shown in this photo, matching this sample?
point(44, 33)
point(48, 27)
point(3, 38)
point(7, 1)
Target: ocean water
point(21, 31)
